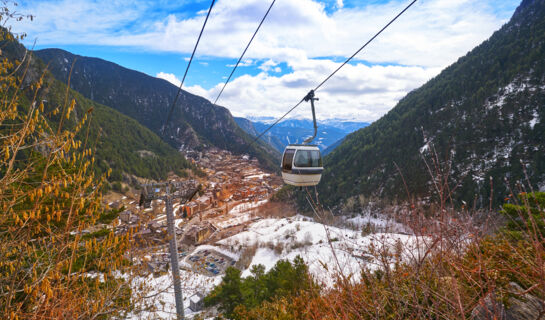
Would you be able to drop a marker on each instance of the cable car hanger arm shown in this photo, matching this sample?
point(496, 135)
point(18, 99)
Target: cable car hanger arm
point(310, 96)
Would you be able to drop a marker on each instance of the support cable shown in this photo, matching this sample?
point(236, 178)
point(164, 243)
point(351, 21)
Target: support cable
point(334, 72)
point(187, 69)
point(244, 52)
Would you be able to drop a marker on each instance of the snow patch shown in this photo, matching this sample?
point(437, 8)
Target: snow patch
point(425, 147)
point(287, 238)
point(534, 120)
point(257, 176)
point(244, 207)
point(162, 293)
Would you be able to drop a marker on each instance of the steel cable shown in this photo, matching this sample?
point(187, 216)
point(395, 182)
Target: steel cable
point(187, 69)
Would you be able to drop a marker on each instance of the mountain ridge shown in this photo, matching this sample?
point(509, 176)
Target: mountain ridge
point(195, 121)
point(296, 130)
point(477, 120)
point(122, 144)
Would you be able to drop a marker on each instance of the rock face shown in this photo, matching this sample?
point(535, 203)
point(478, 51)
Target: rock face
point(482, 116)
point(520, 306)
point(195, 121)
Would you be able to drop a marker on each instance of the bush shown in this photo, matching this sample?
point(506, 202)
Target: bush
point(527, 215)
point(50, 195)
point(459, 267)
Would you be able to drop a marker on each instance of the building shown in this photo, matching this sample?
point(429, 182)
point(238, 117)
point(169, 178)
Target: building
point(196, 302)
point(197, 234)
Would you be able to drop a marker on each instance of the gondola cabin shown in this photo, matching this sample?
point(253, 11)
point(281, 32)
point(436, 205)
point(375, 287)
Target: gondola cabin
point(302, 165)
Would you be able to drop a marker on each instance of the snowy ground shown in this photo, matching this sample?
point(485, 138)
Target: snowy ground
point(286, 238)
point(246, 206)
point(376, 223)
point(160, 293)
point(240, 214)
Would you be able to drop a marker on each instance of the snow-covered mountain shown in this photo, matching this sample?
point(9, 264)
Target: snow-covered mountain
point(297, 130)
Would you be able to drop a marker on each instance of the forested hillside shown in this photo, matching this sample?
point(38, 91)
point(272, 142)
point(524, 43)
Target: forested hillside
point(195, 121)
point(476, 124)
point(119, 142)
point(250, 128)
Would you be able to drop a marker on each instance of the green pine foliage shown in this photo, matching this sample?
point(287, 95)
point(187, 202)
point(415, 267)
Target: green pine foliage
point(235, 295)
point(528, 213)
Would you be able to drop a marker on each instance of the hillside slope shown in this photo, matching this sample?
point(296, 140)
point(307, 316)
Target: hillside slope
point(483, 115)
point(249, 127)
point(195, 120)
point(121, 143)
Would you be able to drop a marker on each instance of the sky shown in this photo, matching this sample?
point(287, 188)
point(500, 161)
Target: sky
point(298, 46)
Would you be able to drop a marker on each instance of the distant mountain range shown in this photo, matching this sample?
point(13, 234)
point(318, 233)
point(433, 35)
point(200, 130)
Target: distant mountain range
point(195, 122)
point(478, 127)
point(289, 131)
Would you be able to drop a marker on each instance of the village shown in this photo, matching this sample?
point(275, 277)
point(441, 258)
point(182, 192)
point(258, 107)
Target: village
point(230, 221)
point(230, 195)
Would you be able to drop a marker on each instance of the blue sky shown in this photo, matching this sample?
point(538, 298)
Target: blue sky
point(299, 44)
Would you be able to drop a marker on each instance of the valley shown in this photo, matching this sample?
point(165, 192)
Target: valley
point(417, 190)
point(234, 223)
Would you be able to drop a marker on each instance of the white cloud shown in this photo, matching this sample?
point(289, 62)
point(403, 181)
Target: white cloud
point(243, 63)
point(267, 65)
point(432, 33)
point(359, 92)
point(80, 21)
point(429, 37)
point(170, 77)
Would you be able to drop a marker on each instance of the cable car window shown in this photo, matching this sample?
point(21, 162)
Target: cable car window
point(288, 159)
point(308, 158)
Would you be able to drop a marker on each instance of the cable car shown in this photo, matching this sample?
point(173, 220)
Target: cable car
point(302, 163)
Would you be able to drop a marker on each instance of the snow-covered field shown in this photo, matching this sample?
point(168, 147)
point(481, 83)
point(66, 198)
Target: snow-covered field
point(375, 223)
point(285, 238)
point(240, 214)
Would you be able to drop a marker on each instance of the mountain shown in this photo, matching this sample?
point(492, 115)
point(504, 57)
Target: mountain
point(297, 130)
point(195, 122)
point(121, 143)
point(345, 125)
point(248, 127)
point(332, 147)
point(483, 116)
